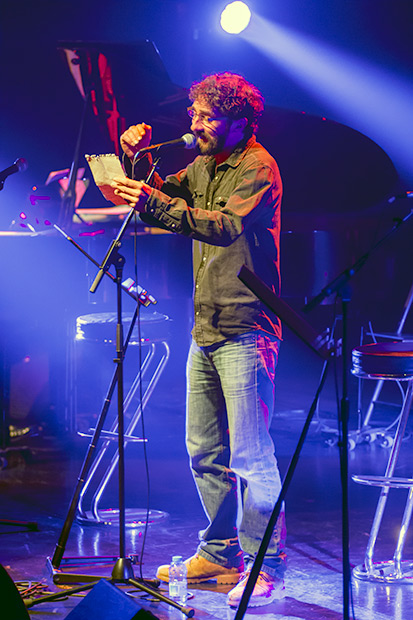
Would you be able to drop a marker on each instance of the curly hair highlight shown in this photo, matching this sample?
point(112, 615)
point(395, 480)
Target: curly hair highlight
point(230, 95)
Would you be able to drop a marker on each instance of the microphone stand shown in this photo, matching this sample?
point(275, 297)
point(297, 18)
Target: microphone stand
point(319, 344)
point(122, 571)
point(141, 297)
point(340, 285)
point(306, 333)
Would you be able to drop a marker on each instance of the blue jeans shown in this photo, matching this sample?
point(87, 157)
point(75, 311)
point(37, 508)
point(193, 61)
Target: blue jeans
point(230, 401)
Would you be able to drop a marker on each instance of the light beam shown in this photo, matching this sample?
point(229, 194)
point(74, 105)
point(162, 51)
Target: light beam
point(363, 95)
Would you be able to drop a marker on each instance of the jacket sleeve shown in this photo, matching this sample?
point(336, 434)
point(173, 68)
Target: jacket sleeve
point(256, 193)
point(174, 186)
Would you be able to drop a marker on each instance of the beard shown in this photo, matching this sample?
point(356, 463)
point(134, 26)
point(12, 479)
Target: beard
point(210, 143)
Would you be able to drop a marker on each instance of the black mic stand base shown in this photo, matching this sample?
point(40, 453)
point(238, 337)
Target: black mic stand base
point(121, 567)
point(122, 574)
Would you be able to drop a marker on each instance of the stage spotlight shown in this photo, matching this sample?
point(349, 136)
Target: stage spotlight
point(235, 17)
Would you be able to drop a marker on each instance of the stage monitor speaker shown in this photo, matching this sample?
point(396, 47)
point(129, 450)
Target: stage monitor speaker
point(107, 602)
point(10, 598)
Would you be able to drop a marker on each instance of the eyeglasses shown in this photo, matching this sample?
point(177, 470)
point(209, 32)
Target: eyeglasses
point(202, 117)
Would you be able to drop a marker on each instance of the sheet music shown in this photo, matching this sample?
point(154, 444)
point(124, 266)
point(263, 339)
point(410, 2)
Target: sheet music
point(104, 168)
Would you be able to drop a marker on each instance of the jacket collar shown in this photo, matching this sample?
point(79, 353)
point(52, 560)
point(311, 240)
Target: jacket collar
point(237, 154)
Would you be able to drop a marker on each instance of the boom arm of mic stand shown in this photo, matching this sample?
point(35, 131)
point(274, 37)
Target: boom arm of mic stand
point(336, 284)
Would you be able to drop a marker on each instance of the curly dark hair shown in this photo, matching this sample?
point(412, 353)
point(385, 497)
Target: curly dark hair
point(231, 95)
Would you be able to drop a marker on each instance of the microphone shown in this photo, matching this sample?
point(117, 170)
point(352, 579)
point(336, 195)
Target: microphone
point(20, 165)
point(188, 140)
point(408, 194)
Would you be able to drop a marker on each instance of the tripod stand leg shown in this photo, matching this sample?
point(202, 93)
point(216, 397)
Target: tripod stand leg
point(187, 611)
point(30, 602)
point(31, 525)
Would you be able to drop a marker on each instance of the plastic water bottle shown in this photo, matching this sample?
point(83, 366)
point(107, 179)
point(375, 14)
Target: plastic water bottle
point(178, 588)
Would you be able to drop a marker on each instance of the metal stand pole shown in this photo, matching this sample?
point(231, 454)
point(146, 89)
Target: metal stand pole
point(343, 447)
point(122, 571)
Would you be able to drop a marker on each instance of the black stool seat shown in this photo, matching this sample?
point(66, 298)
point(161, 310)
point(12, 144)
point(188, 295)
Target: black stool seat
point(101, 327)
point(384, 359)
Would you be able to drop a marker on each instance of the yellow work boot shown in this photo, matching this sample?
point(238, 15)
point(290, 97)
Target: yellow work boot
point(199, 570)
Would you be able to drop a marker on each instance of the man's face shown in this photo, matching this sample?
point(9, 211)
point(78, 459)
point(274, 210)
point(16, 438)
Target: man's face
point(210, 129)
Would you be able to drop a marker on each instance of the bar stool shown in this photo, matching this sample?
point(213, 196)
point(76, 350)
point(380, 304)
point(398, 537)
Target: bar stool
point(101, 328)
point(392, 361)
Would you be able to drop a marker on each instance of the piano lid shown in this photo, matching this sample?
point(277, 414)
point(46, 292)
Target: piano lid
point(126, 82)
point(327, 168)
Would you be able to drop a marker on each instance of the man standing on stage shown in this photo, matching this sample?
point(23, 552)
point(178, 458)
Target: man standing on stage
point(228, 201)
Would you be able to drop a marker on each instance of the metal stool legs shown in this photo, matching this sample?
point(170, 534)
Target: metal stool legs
point(395, 570)
point(109, 517)
point(392, 570)
point(97, 328)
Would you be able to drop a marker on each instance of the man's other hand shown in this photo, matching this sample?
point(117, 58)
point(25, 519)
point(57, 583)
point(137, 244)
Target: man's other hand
point(135, 138)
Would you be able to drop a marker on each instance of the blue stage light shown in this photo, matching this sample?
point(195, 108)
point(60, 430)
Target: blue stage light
point(235, 17)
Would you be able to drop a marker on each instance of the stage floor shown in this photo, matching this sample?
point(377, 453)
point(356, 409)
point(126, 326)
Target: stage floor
point(37, 485)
